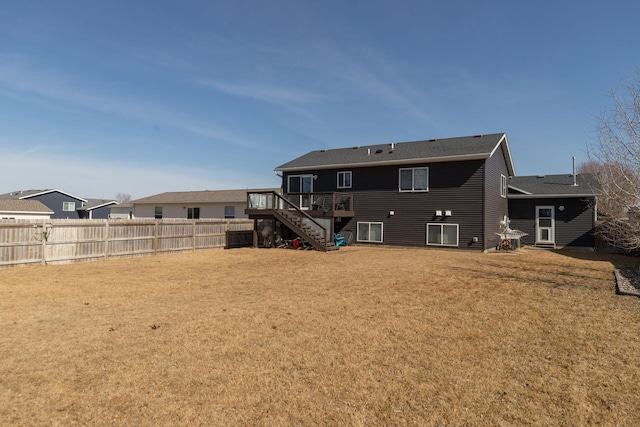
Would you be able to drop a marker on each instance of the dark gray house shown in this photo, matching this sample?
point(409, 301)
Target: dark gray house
point(555, 210)
point(440, 192)
point(64, 205)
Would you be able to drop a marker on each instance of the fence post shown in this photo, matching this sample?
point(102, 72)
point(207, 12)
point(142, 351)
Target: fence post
point(106, 240)
point(44, 242)
point(193, 234)
point(155, 239)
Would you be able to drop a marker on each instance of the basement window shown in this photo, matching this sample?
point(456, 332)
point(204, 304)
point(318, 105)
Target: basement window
point(442, 234)
point(370, 232)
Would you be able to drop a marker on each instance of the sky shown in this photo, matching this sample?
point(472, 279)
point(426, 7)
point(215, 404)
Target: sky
point(142, 97)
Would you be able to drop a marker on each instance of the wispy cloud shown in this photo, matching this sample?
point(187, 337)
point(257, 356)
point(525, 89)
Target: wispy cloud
point(21, 74)
point(39, 168)
point(272, 94)
point(379, 77)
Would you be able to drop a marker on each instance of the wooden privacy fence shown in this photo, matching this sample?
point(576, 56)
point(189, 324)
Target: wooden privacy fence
point(65, 241)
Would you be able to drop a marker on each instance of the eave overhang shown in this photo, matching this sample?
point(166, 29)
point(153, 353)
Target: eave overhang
point(480, 156)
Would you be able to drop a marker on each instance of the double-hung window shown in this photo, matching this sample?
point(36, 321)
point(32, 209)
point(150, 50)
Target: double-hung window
point(442, 234)
point(229, 212)
point(414, 179)
point(370, 232)
point(157, 212)
point(503, 186)
point(344, 179)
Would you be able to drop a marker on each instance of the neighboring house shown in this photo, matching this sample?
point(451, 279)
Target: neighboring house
point(121, 211)
point(23, 209)
point(555, 210)
point(63, 204)
point(194, 204)
point(96, 208)
point(440, 192)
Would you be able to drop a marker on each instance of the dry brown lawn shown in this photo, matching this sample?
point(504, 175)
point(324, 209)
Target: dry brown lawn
point(362, 336)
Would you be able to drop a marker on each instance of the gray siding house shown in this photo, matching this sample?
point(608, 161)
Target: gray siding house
point(555, 210)
point(62, 204)
point(440, 192)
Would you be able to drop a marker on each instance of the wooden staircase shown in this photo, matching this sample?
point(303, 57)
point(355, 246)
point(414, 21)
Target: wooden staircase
point(310, 231)
point(296, 219)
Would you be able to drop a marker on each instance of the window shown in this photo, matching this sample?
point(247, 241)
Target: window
point(344, 179)
point(414, 179)
point(68, 206)
point(157, 212)
point(229, 211)
point(503, 186)
point(370, 232)
point(193, 213)
point(442, 234)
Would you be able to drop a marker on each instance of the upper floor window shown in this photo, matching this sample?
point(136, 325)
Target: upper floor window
point(414, 179)
point(344, 179)
point(68, 206)
point(193, 213)
point(157, 212)
point(229, 212)
point(503, 186)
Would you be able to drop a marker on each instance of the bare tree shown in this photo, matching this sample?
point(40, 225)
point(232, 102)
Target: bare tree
point(615, 156)
point(123, 197)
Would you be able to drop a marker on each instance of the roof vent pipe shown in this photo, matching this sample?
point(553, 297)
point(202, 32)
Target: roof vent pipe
point(393, 145)
point(575, 182)
point(368, 151)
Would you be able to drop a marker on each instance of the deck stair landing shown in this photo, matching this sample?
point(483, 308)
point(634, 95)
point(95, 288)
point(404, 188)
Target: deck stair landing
point(272, 204)
point(318, 238)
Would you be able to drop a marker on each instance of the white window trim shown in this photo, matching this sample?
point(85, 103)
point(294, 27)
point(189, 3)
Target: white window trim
point(369, 222)
point(503, 186)
point(66, 205)
point(412, 180)
point(441, 225)
point(338, 179)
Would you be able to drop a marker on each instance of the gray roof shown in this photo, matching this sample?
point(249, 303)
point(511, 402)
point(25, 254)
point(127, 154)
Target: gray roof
point(432, 150)
point(25, 194)
point(23, 206)
point(207, 196)
point(92, 204)
point(553, 186)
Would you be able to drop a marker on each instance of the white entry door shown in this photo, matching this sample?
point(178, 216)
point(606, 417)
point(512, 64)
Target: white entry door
point(545, 224)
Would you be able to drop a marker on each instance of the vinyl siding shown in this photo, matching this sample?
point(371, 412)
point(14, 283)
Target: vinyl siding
point(573, 226)
point(455, 186)
point(496, 206)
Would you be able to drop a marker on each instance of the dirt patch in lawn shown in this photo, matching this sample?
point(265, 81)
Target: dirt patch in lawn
point(361, 336)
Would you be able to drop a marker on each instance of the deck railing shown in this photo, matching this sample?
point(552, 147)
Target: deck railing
point(270, 200)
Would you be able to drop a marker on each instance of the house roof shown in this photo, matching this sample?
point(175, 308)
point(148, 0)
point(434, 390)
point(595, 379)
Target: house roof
point(432, 150)
point(553, 186)
point(92, 204)
point(207, 196)
point(26, 194)
point(24, 206)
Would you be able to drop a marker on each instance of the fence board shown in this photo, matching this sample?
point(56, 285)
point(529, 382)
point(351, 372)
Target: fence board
point(67, 241)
